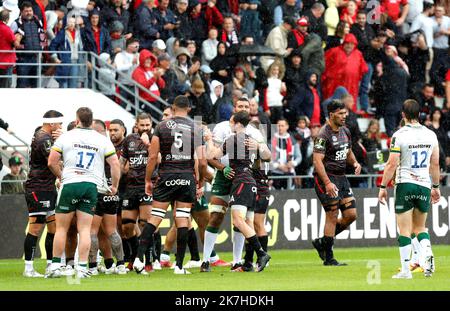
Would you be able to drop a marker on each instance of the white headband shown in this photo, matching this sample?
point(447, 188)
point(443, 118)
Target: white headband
point(53, 120)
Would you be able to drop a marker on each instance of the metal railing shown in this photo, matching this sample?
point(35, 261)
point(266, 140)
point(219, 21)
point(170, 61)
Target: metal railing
point(89, 79)
point(23, 148)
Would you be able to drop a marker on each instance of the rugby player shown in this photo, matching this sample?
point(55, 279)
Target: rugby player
point(243, 190)
point(105, 215)
point(414, 156)
point(84, 152)
point(221, 190)
point(136, 203)
point(40, 190)
point(178, 141)
point(332, 153)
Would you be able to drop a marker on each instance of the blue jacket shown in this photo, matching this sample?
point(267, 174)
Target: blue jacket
point(146, 27)
point(61, 43)
point(87, 36)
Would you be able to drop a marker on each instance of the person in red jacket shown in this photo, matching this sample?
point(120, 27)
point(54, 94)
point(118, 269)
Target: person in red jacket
point(150, 77)
point(6, 43)
point(344, 66)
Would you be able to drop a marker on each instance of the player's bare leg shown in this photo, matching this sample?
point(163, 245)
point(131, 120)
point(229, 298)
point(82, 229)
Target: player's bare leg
point(109, 227)
point(63, 222)
point(348, 210)
point(171, 237)
point(95, 227)
point(84, 221)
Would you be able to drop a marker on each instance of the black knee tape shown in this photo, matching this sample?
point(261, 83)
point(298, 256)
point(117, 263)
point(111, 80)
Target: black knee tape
point(40, 219)
point(330, 208)
point(348, 205)
point(235, 229)
point(128, 221)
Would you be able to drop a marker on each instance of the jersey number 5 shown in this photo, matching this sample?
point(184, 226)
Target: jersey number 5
point(80, 162)
point(415, 159)
point(178, 141)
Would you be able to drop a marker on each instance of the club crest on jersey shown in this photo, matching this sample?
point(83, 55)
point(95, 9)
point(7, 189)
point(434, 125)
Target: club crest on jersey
point(47, 145)
point(334, 138)
point(168, 157)
point(132, 144)
point(171, 124)
point(320, 143)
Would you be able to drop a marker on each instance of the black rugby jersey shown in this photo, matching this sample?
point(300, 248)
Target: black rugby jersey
point(136, 153)
point(241, 159)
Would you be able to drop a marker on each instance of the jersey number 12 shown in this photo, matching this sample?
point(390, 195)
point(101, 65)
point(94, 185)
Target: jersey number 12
point(81, 157)
point(423, 158)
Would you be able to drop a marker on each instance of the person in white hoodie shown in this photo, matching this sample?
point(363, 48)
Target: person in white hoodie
point(107, 77)
point(125, 62)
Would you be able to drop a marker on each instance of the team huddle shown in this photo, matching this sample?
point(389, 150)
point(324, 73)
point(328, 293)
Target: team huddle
point(111, 194)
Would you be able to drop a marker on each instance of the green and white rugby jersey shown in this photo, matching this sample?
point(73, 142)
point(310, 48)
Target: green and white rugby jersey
point(415, 144)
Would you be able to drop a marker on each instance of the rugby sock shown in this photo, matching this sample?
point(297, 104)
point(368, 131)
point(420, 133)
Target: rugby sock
point(238, 246)
point(165, 256)
point(49, 245)
point(248, 257)
point(424, 240)
point(83, 264)
point(148, 255)
point(253, 241)
point(264, 240)
point(404, 244)
point(133, 246)
point(30, 247)
point(158, 246)
point(339, 229)
point(146, 240)
point(416, 250)
point(92, 265)
point(182, 237)
point(193, 245)
point(109, 262)
point(211, 234)
point(126, 249)
point(328, 242)
point(116, 246)
point(70, 261)
point(56, 263)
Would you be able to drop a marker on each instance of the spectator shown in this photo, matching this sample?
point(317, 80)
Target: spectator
point(338, 94)
point(172, 44)
point(107, 77)
point(191, 47)
point(173, 87)
point(68, 41)
point(209, 46)
point(425, 98)
point(200, 101)
point(371, 139)
point(295, 74)
point(15, 175)
point(12, 7)
point(250, 21)
point(266, 11)
point(30, 36)
point(186, 71)
point(222, 65)
point(415, 9)
point(229, 34)
point(277, 40)
point(425, 23)
point(213, 16)
point(260, 116)
point(414, 51)
point(146, 24)
point(115, 11)
point(286, 9)
point(397, 10)
point(435, 124)
point(242, 82)
point(364, 34)
point(205, 75)
point(149, 76)
point(158, 47)
point(223, 109)
point(184, 29)
point(7, 39)
point(447, 86)
point(95, 37)
point(331, 17)
point(198, 23)
point(312, 54)
point(395, 80)
point(118, 40)
point(441, 61)
point(306, 149)
point(286, 156)
point(297, 37)
point(216, 92)
point(275, 92)
point(345, 66)
point(342, 29)
point(349, 12)
point(316, 20)
point(166, 19)
point(306, 102)
point(125, 62)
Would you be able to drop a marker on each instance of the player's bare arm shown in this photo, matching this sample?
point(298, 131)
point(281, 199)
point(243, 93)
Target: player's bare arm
point(389, 171)
point(351, 160)
point(330, 188)
point(152, 161)
point(124, 167)
point(435, 175)
point(54, 163)
point(114, 164)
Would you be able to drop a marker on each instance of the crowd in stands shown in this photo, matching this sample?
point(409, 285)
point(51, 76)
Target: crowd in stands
point(373, 55)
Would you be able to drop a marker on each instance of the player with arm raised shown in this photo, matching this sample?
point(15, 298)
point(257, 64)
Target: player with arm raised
point(413, 158)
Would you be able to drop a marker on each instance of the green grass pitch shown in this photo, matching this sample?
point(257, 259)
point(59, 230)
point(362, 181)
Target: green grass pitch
point(288, 270)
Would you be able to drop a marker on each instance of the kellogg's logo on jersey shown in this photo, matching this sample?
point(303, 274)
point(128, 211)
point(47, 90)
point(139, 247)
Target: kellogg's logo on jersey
point(136, 161)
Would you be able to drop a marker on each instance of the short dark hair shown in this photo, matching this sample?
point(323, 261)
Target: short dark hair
point(241, 117)
point(119, 122)
point(427, 85)
point(26, 4)
point(427, 5)
point(71, 125)
point(4, 16)
point(98, 121)
point(143, 116)
point(334, 105)
point(411, 109)
point(84, 114)
point(181, 101)
point(52, 114)
point(131, 41)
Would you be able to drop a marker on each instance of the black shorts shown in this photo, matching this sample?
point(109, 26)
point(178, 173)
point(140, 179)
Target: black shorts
point(262, 203)
point(175, 187)
point(107, 204)
point(133, 198)
point(341, 182)
point(243, 194)
point(41, 202)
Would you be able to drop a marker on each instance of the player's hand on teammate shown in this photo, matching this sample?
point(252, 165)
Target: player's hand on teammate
point(207, 135)
point(148, 188)
point(435, 195)
point(228, 172)
point(358, 168)
point(56, 133)
point(200, 192)
point(112, 190)
point(331, 190)
point(382, 196)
